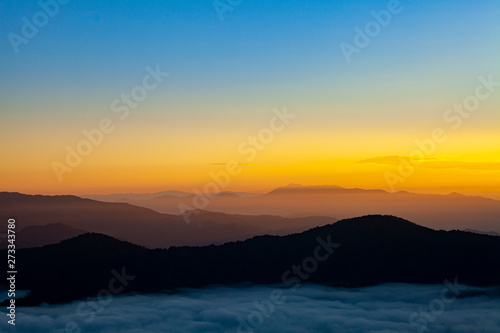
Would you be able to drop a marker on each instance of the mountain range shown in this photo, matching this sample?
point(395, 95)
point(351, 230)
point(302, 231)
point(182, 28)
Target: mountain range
point(40, 235)
point(361, 251)
point(142, 226)
point(452, 211)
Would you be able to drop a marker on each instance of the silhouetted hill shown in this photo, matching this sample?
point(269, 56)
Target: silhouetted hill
point(300, 189)
point(132, 196)
point(141, 225)
point(274, 224)
point(491, 233)
point(94, 245)
point(453, 211)
point(40, 235)
point(372, 250)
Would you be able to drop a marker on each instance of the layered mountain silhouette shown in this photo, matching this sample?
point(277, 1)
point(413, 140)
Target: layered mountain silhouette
point(123, 197)
point(491, 233)
point(143, 226)
point(453, 211)
point(39, 235)
point(362, 251)
point(129, 197)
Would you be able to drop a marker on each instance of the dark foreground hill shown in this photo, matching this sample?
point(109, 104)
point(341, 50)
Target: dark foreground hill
point(362, 251)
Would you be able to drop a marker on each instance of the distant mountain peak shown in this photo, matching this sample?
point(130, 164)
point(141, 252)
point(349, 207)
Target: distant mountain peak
point(293, 185)
point(455, 194)
point(93, 241)
point(380, 220)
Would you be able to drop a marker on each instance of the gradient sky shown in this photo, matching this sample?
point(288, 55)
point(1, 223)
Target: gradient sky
point(352, 120)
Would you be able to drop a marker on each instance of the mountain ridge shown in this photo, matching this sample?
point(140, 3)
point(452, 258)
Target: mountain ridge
point(367, 250)
point(141, 225)
point(442, 211)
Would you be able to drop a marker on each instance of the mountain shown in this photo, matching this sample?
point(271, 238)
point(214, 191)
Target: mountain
point(144, 226)
point(132, 196)
point(491, 233)
point(120, 220)
point(362, 251)
point(273, 223)
point(453, 211)
point(40, 235)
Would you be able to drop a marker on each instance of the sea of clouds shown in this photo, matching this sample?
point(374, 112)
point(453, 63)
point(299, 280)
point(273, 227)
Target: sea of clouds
point(309, 308)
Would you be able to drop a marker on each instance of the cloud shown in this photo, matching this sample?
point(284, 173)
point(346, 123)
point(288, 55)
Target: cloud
point(310, 308)
point(433, 163)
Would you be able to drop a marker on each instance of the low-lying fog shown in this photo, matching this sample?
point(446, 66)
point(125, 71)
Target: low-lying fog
point(309, 308)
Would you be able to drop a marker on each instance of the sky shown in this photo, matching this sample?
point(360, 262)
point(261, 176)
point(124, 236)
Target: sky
point(356, 118)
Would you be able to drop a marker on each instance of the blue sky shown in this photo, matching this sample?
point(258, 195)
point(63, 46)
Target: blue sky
point(97, 45)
